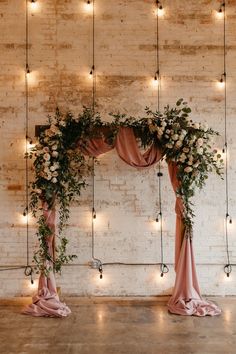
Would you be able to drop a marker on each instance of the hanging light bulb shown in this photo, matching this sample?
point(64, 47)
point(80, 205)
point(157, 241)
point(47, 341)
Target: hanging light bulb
point(159, 10)
point(91, 72)
point(100, 271)
point(27, 69)
point(220, 11)
point(164, 269)
point(228, 269)
point(94, 213)
point(229, 218)
point(88, 6)
point(33, 4)
point(156, 79)
point(159, 215)
point(221, 82)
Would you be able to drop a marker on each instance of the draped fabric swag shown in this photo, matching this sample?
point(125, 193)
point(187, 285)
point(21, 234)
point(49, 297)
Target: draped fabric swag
point(186, 298)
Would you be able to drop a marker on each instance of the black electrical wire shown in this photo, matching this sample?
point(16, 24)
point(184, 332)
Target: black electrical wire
point(228, 266)
point(163, 266)
point(28, 268)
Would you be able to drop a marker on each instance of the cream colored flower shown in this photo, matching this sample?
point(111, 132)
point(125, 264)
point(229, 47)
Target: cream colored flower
point(54, 180)
point(55, 154)
point(175, 137)
point(178, 143)
point(200, 150)
point(199, 142)
point(46, 157)
point(54, 147)
point(186, 149)
point(188, 169)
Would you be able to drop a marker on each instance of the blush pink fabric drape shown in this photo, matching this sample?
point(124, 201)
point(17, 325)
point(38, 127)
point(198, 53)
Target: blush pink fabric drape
point(46, 303)
point(186, 298)
point(127, 148)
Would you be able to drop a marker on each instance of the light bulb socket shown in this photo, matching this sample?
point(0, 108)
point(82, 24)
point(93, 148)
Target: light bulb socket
point(94, 213)
point(228, 269)
point(27, 69)
point(25, 212)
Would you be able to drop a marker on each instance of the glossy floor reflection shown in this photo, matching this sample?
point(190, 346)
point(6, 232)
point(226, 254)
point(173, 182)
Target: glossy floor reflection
point(114, 326)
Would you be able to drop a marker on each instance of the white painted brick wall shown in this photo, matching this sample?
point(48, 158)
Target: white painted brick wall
point(60, 56)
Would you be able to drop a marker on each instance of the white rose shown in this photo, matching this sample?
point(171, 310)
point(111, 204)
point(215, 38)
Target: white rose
point(178, 143)
point(168, 131)
point(46, 157)
point(38, 191)
point(175, 137)
point(188, 169)
point(62, 123)
point(56, 165)
point(169, 146)
point(205, 127)
point(199, 142)
point(49, 176)
point(54, 147)
point(54, 128)
point(55, 174)
point(52, 168)
point(163, 124)
point(186, 149)
point(54, 180)
point(54, 153)
point(200, 151)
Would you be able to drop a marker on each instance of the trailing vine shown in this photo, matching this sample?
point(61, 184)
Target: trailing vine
point(61, 168)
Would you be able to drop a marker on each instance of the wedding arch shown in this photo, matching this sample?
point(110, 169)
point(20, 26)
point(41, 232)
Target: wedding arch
point(62, 163)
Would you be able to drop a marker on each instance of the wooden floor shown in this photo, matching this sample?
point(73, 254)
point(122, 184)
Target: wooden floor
point(114, 326)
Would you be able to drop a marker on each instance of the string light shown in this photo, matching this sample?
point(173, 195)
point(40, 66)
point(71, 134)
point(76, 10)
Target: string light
point(27, 139)
point(29, 273)
point(159, 10)
point(223, 82)
point(163, 267)
point(33, 4)
point(91, 72)
point(88, 6)
point(94, 215)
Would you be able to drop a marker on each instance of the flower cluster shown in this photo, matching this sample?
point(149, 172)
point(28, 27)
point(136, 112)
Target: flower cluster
point(189, 145)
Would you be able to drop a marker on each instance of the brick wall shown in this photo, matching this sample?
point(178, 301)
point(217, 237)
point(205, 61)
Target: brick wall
point(60, 56)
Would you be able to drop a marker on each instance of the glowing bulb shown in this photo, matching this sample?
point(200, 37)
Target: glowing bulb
point(30, 145)
point(221, 84)
point(155, 80)
point(160, 11)
point(219, 14)
point(33, 5)
point(88, 6)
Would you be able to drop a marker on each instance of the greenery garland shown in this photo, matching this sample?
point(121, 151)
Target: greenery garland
point(61, 168)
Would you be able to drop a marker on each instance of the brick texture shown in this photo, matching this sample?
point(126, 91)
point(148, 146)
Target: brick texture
point(60, 56)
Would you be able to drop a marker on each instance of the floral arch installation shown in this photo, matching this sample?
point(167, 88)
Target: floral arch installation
point(62, 161)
